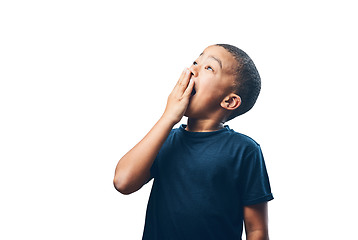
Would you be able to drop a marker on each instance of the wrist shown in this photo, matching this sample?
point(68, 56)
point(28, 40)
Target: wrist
point(168, 121)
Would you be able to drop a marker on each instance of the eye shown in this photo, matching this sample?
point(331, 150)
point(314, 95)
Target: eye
point(195, 63)
point(209, 68)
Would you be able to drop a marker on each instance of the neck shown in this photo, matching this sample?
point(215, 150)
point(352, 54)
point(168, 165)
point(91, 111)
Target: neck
point(195, 125)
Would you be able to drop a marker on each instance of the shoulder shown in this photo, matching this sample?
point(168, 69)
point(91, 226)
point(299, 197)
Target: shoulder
point(173, 136)
point(241, 138)
point(174, 132)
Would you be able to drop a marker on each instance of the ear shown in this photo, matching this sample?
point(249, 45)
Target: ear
point(231, 102)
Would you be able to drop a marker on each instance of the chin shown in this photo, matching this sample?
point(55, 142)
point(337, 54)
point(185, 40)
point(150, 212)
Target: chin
point(189, 114)
point(187, 111)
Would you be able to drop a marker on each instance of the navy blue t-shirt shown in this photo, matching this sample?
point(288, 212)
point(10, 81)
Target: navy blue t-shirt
point(202, 180)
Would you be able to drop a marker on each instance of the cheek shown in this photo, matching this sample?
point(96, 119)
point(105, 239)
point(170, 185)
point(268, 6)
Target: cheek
point(212, 94)
point(214, 89)
point(210, 87)
point(208, 83)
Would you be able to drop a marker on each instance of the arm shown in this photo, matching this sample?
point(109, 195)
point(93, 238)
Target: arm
point(133, 169)
point(256, 221)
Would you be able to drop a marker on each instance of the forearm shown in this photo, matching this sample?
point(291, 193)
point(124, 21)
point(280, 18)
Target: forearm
point(256, 221)
point(257, 235)
point(133, 170)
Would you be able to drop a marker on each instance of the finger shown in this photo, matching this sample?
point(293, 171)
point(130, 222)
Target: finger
point(181, 77)
point(184, 81)
point(177, 87)
point(189, 89)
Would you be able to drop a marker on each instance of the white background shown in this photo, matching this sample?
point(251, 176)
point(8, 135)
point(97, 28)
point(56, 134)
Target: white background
point(83, 81)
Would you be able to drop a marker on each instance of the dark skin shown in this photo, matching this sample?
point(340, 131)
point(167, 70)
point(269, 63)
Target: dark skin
point(207, 110)
point(256, 221)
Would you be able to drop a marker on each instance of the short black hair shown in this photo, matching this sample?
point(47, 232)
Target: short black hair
point(247, 81)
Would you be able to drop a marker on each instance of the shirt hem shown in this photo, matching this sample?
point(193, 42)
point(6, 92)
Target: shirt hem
point(265, 198)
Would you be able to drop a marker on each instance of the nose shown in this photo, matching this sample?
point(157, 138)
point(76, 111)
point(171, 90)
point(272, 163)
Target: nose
point(194, 71)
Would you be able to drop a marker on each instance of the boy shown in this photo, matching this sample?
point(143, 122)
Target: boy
point(208, 179)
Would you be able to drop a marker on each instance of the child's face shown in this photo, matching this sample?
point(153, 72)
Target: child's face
point(214, 77)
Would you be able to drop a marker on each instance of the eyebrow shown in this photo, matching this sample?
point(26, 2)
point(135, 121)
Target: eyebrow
point(216, 59)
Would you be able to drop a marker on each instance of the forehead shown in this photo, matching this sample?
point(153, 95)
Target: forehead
point(227, 60)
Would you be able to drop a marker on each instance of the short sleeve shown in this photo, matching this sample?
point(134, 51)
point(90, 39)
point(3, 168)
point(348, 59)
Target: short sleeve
point(154, 169)
point(255, 184)
point(154, 172)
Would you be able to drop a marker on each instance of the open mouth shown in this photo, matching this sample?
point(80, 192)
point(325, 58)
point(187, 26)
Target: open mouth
point(193, 92)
